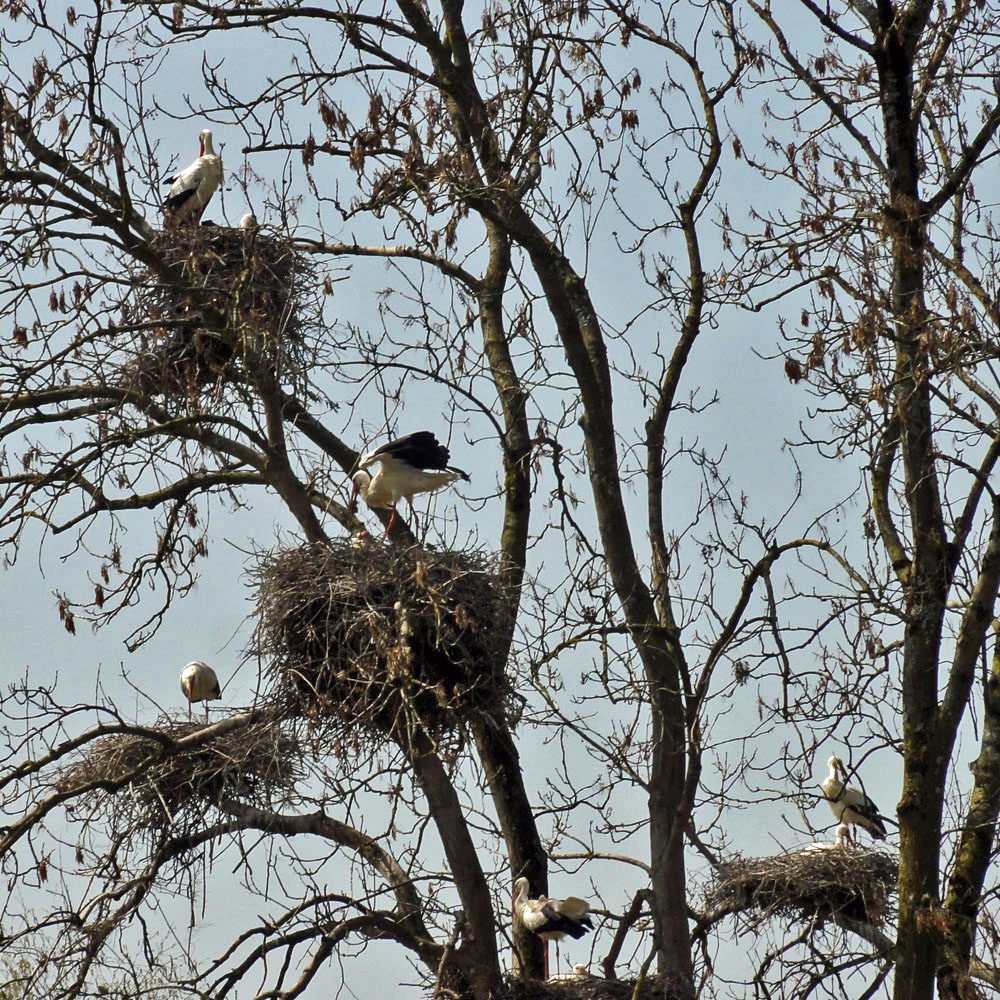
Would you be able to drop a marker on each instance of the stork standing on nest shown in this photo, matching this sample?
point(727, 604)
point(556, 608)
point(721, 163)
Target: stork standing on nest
point(414, 463)
point(199, 683)
point(192, 188)
point(551, 919)
point(849, 804)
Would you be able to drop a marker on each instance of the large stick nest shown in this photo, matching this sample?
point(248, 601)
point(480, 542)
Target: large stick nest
point(804, 884)
point(255, 764)
point(257, 281)
point(589, 987)
point(384, 639)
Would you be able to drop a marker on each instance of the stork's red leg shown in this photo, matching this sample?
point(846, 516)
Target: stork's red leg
point(392, 521)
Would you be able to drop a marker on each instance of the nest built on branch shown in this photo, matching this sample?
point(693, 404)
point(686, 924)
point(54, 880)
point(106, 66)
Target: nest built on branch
point(589, 987)
point(822, 881)
point(384, 639)
point(254, 281)
point(255, 764)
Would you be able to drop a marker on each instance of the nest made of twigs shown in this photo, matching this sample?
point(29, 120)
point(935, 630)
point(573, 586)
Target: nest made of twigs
point(255, 280)
point(383, 638)
point(589, 987)
point(158, 785)
point(821, 881)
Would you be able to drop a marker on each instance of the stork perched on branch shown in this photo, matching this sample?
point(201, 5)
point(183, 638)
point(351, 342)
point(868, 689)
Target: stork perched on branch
point(551, 919)
point(414, 463)
point(849, 804)
point(192, 188)
point(199, 683)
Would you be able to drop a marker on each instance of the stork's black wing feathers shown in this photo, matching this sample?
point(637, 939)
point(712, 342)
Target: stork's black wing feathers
point(870, 811)
point(421, 449)
point(556, 922)
point(174, 202)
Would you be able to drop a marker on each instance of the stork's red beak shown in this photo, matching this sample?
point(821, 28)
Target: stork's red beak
point(352, 504)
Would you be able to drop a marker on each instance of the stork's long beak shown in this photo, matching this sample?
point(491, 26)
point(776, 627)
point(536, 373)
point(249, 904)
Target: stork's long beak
point(352, 504)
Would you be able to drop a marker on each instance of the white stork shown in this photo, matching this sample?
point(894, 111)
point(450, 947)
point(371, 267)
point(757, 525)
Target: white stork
point(580, 971)
point(551, 919)
point(841, 839)
point(414, 463)
point(850, 805)
point(249, 221)
point(199, 683)
point(192, 188)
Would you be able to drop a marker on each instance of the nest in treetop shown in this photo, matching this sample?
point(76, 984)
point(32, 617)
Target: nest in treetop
point(589, 987)
point(824, 882)
point(256, 281)
point(255, 764)
point(384, 639)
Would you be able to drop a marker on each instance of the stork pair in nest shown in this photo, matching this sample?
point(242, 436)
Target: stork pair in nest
point(551, 919)
point(191, 189)
point(850, 805)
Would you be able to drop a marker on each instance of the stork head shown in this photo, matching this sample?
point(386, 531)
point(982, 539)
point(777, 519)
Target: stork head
point(520, 894)
point(205, 138)
point(362, 480)
point(835, 764)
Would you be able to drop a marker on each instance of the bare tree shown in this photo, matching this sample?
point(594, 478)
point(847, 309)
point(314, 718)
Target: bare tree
point(898, 113)
point(621, 589)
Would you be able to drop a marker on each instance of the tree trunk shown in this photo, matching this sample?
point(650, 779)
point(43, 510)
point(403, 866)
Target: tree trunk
point(926, 584)
point(477, 954)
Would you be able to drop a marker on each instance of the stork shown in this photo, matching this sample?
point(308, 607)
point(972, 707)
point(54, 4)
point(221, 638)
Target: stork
point(579, 971)
point(192, 188)
point(850, 805)
point(841, 839)
point(199, 683)
point(249, 221)
point(551, 919)
point(414, 463)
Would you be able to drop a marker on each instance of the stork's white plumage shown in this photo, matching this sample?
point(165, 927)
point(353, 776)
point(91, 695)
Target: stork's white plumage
point(199, 683)
point(551, 919)
point(414, 463)
point(192, 188)
point(850, 805)
point(578, 972)
point(249, 221)
point(841, 839)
